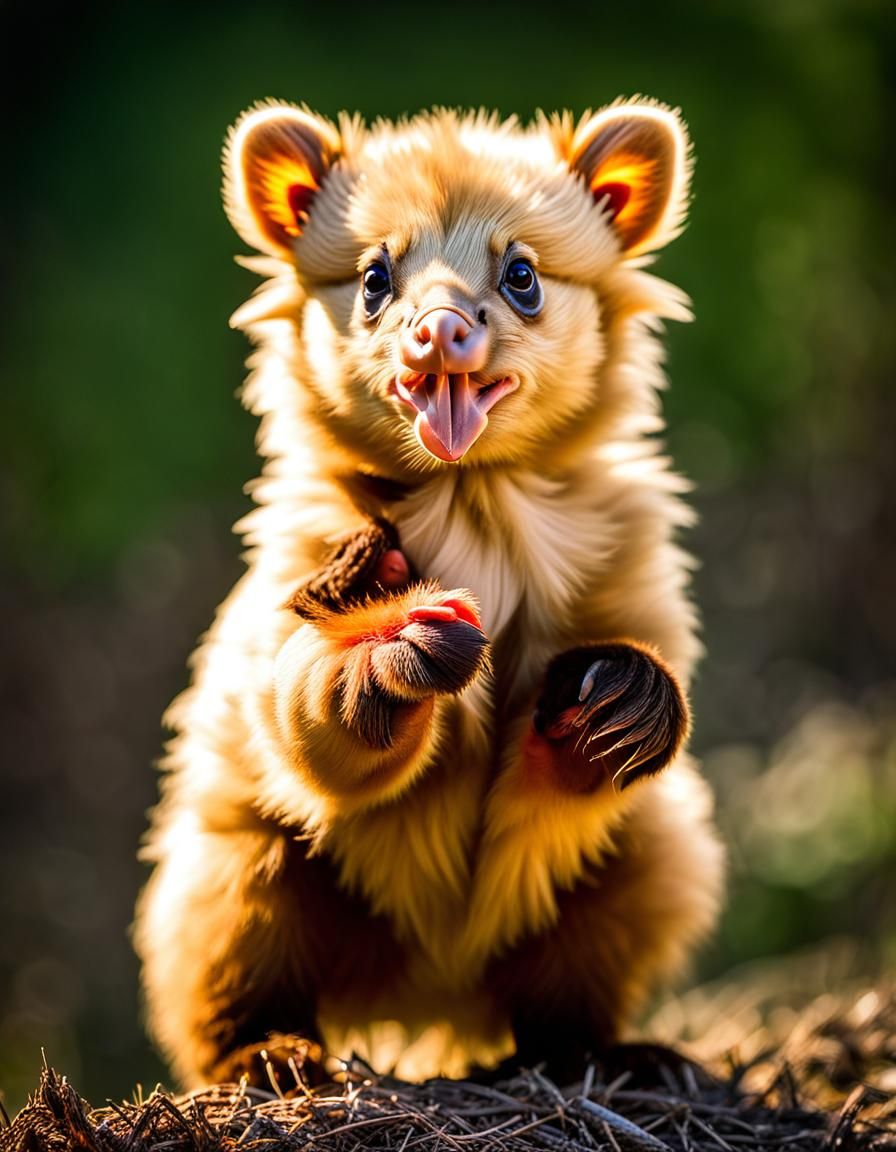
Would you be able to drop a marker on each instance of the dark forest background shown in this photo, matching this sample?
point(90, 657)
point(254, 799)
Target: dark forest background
point(123, 451)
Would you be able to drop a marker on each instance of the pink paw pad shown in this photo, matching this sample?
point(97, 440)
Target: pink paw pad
point(449, 611)
point(433, 613)
point(392, 570)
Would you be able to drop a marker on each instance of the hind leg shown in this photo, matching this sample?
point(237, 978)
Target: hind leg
point(223, 963)
point(628, 924)
point(238, 932)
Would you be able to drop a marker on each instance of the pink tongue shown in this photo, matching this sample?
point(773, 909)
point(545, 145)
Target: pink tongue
point(451, 420)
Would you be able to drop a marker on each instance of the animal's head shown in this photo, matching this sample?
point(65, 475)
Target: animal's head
point(457, 274)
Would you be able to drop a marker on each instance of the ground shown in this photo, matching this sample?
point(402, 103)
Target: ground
point(822, 1076)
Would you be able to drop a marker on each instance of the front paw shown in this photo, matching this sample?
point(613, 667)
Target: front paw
point(367, 563)
point(424, 644)
point(615, 709)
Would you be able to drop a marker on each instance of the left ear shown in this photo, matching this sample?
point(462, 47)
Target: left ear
point(634, 158)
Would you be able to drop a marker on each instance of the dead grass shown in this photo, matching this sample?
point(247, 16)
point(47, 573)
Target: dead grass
point(829, 1085)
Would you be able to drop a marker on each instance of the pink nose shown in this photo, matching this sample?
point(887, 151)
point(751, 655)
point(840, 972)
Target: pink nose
point(443, 341)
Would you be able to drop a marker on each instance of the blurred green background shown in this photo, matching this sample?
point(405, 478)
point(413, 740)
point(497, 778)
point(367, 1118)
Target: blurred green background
point(123, 450)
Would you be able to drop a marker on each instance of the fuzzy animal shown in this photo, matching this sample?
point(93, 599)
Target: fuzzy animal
point(427, 795)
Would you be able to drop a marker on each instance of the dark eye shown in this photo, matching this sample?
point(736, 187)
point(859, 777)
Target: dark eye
point(520, 276)
point(377, 286)
point(521, 288)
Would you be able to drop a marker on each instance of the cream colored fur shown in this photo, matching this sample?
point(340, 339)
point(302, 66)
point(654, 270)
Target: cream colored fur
point(562, 520)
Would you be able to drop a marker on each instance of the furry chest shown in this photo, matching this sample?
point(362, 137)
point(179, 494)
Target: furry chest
point(522, 543)
point(466, 858)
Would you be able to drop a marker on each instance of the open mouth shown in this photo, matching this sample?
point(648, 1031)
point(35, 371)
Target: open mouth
point(452, 410)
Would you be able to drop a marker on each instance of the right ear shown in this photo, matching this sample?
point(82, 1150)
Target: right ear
point(275, 161)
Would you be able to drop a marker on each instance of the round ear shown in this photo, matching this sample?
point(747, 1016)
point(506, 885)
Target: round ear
point(635, 161)
point(275, 160)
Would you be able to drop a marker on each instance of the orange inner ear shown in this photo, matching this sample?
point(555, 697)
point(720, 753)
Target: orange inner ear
point(286, 188)
point(627, 182)
point(615, 194)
